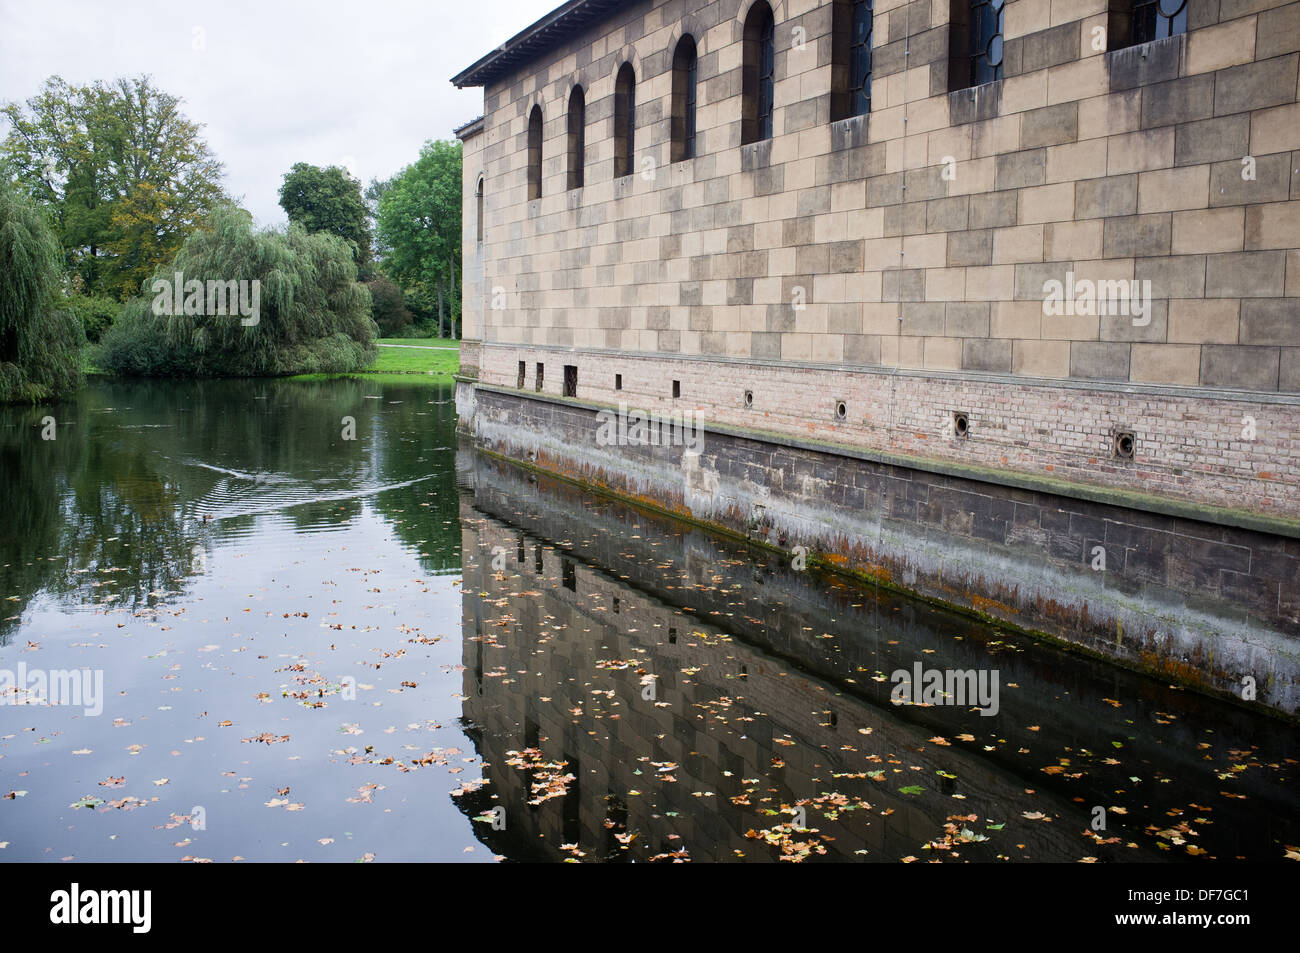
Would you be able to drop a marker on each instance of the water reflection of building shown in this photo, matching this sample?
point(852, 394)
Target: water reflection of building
point(743, 692)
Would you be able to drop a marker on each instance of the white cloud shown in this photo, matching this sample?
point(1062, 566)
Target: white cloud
point(276, 82)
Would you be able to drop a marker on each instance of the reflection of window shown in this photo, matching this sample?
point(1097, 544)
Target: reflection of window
point(577, 136)
point(572, 801)
point(615, 824)
point(624, 120)
point(758, 78)
point(685, 81)
point(1153, 20)
point(535, 153)
point(533, 740)
point(986, 40)
point(851, 59)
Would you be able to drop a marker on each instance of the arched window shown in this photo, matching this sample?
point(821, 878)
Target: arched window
point(478, 199)
point(851, 59)
point(976, 42)
point(758, 77)
point(535, 153)
point(685, 84)
point(624, 120)
point(577, 137)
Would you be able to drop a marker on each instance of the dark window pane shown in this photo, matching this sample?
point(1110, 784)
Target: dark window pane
point(631, 125)
point(986, 40)
point(1157, 19)
point(624, 121)
point(860, 59)
point(692, 72)
point(766, 78)
point(685, 79)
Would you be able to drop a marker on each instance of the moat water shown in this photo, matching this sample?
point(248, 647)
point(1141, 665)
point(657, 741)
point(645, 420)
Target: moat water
point(299, 621)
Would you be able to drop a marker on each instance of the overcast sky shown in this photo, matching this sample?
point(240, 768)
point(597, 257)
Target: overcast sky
point(275, 82)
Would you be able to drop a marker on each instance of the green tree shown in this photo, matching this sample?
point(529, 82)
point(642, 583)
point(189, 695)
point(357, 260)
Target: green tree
point(419, 222)
point(95, 314)
point(373, 193)
point(310, 313)
point(328, 200)
point(40, 345)
point(388, 307)
point(125, 173)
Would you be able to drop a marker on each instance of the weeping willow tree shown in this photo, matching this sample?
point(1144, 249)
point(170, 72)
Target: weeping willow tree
point(40, 346)
point(237, 302)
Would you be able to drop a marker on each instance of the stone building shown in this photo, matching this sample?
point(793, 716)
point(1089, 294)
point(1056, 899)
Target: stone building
point(980, 296)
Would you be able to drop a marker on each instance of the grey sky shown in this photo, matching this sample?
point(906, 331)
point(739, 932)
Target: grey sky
point(275, 82)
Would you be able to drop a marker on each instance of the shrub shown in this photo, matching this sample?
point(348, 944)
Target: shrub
point(136, 346)
point(96, 314)
point(388, 306)
point(313, 315)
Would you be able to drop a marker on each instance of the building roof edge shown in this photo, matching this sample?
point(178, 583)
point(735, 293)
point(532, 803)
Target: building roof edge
point(471, 128)
point(562, 23)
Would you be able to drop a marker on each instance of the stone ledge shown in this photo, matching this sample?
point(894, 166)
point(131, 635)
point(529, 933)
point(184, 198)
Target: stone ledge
point(886, 370)
point(1128, 499)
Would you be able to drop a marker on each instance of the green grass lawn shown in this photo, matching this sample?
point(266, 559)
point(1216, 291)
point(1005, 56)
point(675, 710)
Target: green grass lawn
point(421, 342)
point(428, 357)
point(440, 360)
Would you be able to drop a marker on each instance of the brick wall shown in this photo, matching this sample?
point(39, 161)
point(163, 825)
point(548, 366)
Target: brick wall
point(1122, 165)
point(473, 183)
point(1226, 449)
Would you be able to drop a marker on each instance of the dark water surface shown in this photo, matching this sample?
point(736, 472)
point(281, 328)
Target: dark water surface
point(316, 648)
